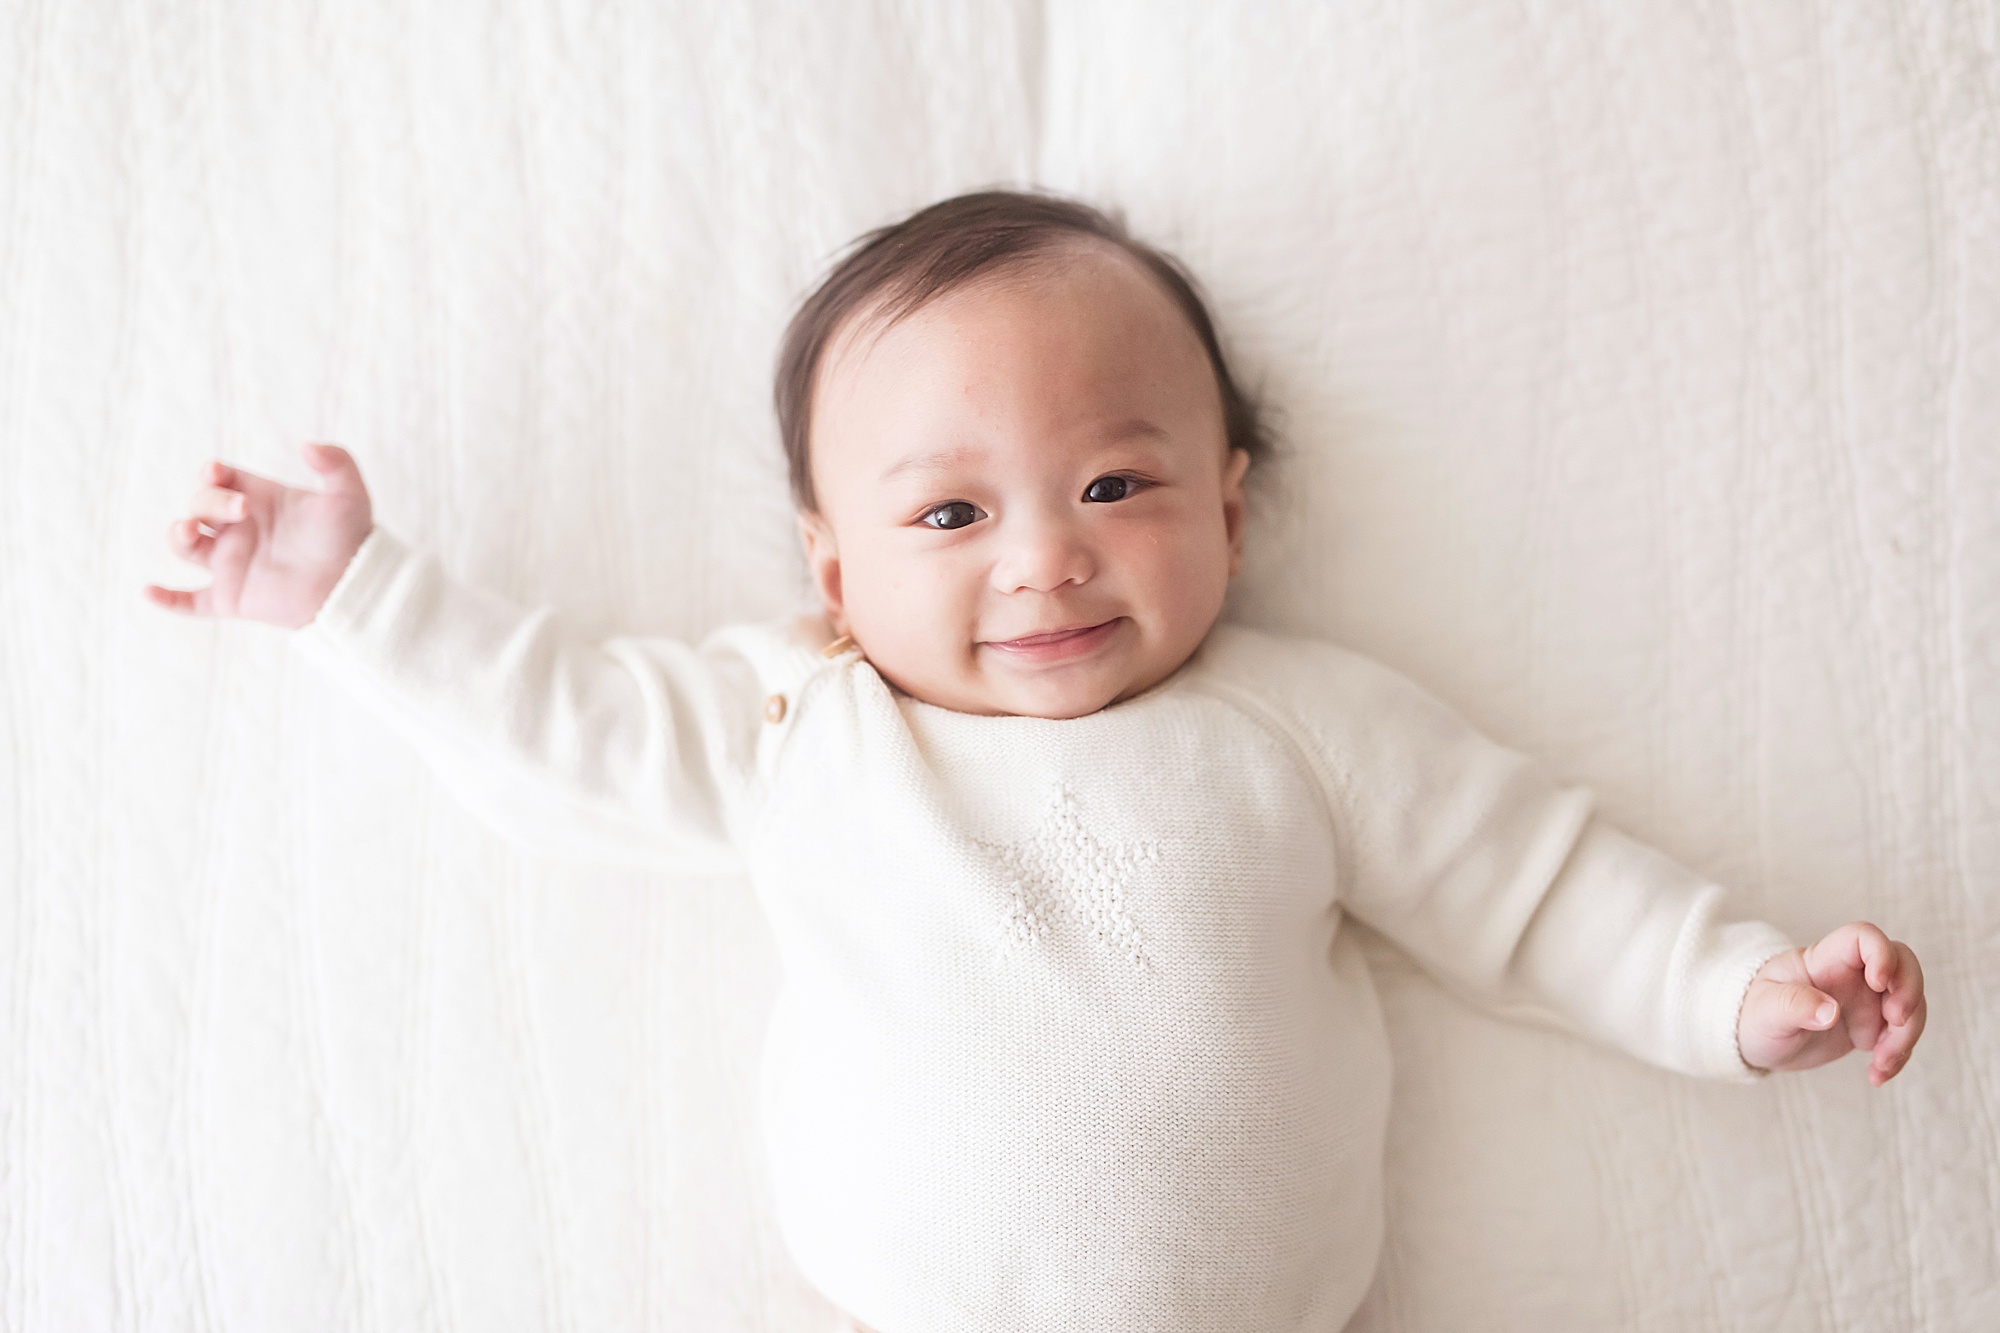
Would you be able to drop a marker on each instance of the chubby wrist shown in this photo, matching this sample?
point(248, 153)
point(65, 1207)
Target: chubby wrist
point(1756, 945)
point(359, 580)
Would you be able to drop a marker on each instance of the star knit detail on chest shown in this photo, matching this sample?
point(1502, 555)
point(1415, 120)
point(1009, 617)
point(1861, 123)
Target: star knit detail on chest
point(1064, 866)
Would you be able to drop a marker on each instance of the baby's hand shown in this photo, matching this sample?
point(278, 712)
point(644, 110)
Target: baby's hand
point(275, 552)
point(1857, 989)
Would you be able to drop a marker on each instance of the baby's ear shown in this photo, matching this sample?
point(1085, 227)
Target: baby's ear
point(1233, 504)
point(822, 562)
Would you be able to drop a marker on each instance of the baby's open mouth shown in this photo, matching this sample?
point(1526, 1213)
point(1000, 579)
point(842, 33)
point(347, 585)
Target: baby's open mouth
point(1060, 644)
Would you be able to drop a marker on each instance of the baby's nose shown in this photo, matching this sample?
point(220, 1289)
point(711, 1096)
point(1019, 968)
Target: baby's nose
point(1042, 555)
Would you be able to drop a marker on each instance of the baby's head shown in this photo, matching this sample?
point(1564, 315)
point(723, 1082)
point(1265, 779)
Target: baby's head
point(1018, 456)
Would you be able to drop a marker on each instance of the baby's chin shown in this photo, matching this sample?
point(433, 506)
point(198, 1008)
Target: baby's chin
point(1002, 698)
point(1056, 701)
point(1003, 689)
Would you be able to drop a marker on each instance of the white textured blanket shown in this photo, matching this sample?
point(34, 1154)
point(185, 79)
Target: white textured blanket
point(1639, 370)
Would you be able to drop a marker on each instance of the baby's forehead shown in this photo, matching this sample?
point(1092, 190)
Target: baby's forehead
point(1075, 264)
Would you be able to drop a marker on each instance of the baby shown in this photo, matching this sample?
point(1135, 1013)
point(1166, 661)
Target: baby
point(1071, 1035)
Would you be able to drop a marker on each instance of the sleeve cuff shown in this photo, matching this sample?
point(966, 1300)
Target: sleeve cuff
point(337, 632)
point(368, 571)
point(1746, 947)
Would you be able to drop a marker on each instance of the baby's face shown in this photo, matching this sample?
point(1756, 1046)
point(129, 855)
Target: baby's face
point(1027, 502)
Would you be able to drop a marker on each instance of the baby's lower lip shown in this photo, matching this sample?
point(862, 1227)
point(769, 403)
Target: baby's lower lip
point(1060, 646)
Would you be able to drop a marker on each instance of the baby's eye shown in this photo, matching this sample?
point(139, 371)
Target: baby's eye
point(1107, 490)
point(953, 514)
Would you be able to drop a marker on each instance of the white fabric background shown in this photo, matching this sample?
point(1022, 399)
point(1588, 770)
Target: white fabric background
point(1639, 367)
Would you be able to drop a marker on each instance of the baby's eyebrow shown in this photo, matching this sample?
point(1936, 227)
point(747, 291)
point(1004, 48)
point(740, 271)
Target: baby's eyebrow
point(1132, 428)
point(936, 460)
point(942, 460)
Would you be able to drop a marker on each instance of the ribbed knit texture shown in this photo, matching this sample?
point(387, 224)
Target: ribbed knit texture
point(1071, 1037)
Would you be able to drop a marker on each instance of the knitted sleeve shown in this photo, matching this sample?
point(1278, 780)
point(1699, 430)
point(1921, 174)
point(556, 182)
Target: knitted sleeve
point(627, 751)
point(1504, 884)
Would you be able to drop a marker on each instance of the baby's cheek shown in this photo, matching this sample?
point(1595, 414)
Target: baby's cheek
point(1184, 571)
point(913, 613)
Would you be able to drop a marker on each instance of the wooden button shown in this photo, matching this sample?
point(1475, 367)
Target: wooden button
point(774, 708)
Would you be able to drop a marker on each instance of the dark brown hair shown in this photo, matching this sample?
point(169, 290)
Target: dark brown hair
point(944, 247)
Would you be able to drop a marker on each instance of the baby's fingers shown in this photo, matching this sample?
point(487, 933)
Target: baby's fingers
point(193, 603)
point(220, 481)
point(1893, 1047)
point(219, 506)
point(189, 542)
point(1879, 960)
point(1801, 1008)
point(1901, 981)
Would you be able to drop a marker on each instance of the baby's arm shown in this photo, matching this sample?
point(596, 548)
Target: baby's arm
point(1621, 926)
point(621, 750)
point(1507, 887)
